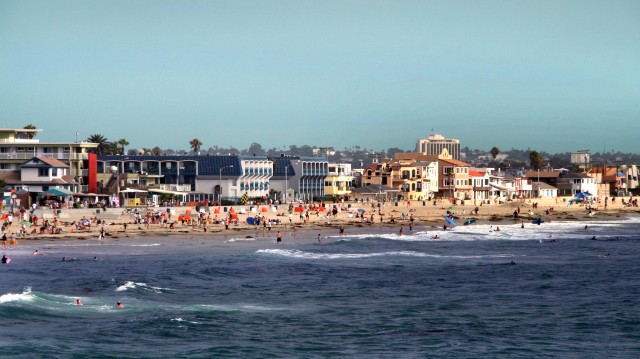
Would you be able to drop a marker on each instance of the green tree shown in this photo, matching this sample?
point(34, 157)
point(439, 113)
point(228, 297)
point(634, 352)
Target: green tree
point(122, 142)
point(31, 127)
point(536, 160)
point(101, 141)
point(156, 151)
point(255, 149)
point(195, 145)
point(112, 148)
point(495, 152)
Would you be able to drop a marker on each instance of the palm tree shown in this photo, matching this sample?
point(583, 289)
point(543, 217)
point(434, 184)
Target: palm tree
point(495, 152)
point(195, 144)
point(122, 142)
point(31, 127)
point(101, 141)
point(536, 160)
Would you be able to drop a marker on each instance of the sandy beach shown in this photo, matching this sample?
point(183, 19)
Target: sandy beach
point(382, 217)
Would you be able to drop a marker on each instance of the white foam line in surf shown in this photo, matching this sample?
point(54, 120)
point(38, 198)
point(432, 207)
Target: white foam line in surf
point(133, 285)
point(293, 253)
point(17, 297)
point(242, 239)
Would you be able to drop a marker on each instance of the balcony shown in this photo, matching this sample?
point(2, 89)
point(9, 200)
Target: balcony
point(19, 140)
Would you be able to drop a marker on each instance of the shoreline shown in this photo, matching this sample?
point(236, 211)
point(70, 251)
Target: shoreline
point(426, 218)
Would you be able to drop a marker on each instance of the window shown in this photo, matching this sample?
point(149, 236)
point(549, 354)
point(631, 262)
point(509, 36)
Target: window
point(43, 172)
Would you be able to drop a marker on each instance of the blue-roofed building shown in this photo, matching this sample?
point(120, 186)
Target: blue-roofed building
point(250, 175)
point(228, 177)
point(302, 177)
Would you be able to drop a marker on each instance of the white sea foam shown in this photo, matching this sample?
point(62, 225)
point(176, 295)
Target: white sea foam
point(244, 239)
point(293, 253)
point(180, 320)
point(133, 285)
point(15, 297)
point(508, 231)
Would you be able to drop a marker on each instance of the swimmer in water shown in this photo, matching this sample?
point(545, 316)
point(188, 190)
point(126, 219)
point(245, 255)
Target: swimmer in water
point(497, 229)
point(5, 259)
point(119, 305)
point(401, 233)
point(319, 239)
point(79, 302)
point(436, 237)
point(513, 263)
point(36, 253)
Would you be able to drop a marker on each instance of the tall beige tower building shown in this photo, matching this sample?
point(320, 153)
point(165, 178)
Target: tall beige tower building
point(434, 144)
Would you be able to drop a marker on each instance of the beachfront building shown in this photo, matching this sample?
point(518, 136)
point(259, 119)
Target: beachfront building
point(480, 183)
point(18, 145)
point(214, 178)
point(416, 175)
point(339, 181)
point(413, 175)
point(549, 177)
point(502, 186)
point(435, 144)
point(544, 190)
point(570, 184)
point(454, 179)
point(254, 181)
point(299, 178)
point(628, 175)
point(523, 187)
point(40, 174)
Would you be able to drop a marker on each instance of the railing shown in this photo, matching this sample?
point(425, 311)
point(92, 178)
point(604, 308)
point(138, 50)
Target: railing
point(30, 155)
point(19, 140)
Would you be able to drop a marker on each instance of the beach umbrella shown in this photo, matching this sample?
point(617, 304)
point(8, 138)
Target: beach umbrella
point(583, 195)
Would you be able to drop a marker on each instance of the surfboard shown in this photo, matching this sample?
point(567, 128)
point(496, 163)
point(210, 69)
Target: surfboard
point(537, 221)
point(470, 221)
point(251, 221)
point(450, 220)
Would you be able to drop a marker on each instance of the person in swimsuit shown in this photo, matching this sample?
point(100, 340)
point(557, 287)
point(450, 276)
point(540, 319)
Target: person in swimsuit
point(119, 305)
point(279, 239)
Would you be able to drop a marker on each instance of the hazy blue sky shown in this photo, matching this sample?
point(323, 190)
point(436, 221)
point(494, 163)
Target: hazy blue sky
point(553, 75)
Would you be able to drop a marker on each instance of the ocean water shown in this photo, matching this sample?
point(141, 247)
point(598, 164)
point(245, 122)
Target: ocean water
point(376, 295)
